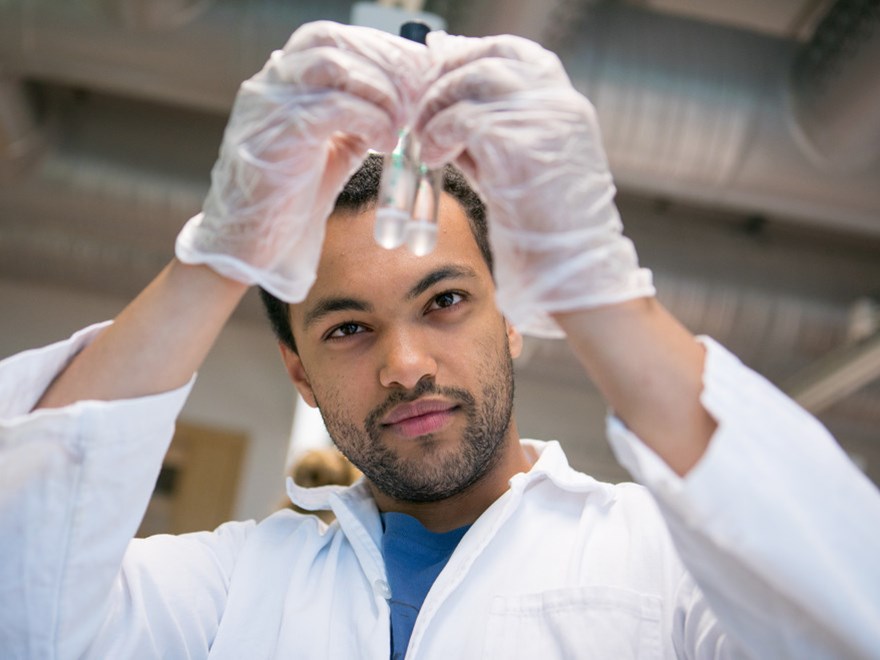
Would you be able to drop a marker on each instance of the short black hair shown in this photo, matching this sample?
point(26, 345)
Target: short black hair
point(360, 195)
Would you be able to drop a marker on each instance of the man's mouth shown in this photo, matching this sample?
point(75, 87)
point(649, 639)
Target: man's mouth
point(419, 417)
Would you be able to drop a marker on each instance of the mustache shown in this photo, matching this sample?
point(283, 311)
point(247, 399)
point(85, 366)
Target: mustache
point(424, 387)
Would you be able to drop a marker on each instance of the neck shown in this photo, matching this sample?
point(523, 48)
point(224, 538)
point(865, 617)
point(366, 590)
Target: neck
point(465, 507)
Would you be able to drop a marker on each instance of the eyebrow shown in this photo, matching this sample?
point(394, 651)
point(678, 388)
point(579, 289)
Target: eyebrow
point(438, 275)
point(329, 305)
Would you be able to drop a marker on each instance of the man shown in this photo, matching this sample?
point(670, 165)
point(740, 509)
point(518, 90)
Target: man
point(463, 540)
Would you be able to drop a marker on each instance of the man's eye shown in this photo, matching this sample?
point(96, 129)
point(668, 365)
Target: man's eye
point(446, 299)
point(344, 330)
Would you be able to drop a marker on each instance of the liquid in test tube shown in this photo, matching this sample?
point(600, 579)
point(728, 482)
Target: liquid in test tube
point(421, 230)
point(397, 192)
point(409, 192)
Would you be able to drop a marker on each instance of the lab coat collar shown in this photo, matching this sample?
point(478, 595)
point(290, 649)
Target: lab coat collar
point(552, 465)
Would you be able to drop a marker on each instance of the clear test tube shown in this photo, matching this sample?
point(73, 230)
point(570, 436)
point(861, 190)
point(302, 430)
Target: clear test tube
point(421, 230)
point(397, 192)
point(409, 192)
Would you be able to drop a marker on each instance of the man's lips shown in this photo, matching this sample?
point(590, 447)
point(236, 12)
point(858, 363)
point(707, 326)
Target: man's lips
point(419, 417)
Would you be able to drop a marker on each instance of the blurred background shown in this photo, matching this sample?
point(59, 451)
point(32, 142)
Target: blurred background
point(744, 138)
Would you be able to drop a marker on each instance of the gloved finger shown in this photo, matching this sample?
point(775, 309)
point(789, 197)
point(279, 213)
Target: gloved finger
point(518, 142)
point(479, 72)
point(278, 144)
point(321, 69)
point(404, 61)
point(466, 102)
point(450, 52)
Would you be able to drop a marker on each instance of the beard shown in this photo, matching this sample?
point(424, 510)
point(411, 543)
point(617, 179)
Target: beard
point(438, 474)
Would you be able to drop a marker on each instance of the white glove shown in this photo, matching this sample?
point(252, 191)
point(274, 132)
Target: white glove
point(299, 128)
point(505, 111)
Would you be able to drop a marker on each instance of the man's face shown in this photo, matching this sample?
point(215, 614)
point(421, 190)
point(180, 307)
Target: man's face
point(408, 358)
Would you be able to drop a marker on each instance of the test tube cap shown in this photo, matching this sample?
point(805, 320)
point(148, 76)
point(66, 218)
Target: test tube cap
point(415, 31)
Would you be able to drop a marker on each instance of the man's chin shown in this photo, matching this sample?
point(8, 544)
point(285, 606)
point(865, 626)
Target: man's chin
point(419, 493)
point(409, 481)
point(423, 447)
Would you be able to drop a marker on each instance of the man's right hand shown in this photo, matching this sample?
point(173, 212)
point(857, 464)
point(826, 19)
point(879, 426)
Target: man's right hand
point(299, 128)
point(503, 109)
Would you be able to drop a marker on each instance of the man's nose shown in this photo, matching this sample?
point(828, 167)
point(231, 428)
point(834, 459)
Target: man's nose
point(407, 358)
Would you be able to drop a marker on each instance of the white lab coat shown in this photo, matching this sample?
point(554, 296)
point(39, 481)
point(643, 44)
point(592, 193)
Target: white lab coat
point(780, 531)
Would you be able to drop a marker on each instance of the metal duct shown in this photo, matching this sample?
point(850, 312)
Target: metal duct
point(700, 112)
point(836, 88)
point(20, 136)
point(689, 110)
point(153, 14)
point(200, 63)
point(837, 375)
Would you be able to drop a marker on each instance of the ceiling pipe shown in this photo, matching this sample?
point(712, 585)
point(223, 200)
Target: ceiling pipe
point(153, 14)
point(837, 375)
point(846, 369)
point(700, 113)
point(198, 64)
point(690, 111)
point(543, 21)
point(20, 135)
point(835, 89)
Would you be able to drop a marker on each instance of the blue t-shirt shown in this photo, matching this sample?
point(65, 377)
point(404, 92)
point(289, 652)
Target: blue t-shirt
point(414, 557)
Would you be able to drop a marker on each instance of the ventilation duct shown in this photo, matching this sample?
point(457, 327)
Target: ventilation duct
point(20, 136)
point(703, 113)
point(837, 375)
point(689, 110)
point(153, 14)
point(122, 48)
point(836, 88)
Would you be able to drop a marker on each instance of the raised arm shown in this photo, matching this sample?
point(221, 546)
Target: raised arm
point(76, 475)
point(298, 129)
point(530, 143)
point(767, 512)
point(156, 343)
point(649, 369)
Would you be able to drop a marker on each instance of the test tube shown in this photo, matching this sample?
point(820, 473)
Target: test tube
point(409, 192)
point(421, 230)
point(397, 192)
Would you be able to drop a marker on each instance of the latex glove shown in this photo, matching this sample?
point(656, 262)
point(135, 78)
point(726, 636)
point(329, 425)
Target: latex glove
point(298, 130)
point(503, 109)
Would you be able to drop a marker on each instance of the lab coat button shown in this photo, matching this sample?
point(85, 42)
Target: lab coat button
point(382, 589)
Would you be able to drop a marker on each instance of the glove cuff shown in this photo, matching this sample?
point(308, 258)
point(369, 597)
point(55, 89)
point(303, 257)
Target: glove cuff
point(290, 287)
point(537, 279)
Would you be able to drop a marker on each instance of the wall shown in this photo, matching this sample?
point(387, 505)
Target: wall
point(241, 386)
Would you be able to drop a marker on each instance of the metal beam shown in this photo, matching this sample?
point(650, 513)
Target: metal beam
point(837, 375)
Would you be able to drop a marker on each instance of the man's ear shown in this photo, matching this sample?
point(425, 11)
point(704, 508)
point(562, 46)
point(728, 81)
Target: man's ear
point(514, 340)
point(297, 374)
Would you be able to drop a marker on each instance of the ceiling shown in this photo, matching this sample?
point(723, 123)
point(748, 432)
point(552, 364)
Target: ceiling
point(744, 138)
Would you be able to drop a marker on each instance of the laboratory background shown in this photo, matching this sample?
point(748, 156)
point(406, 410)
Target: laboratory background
point(744, 138)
